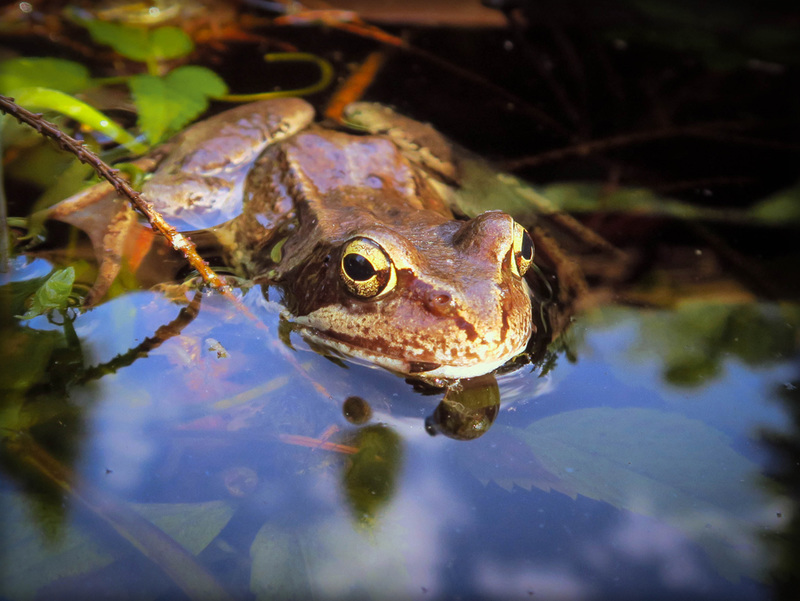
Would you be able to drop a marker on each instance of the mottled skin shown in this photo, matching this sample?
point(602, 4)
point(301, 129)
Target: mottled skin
point(263, 175)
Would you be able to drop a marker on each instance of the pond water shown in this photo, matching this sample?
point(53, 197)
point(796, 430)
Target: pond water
point(599, 478)
point(169, 444)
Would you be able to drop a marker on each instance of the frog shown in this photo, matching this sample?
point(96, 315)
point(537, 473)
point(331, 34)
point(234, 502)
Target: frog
point(355, 226)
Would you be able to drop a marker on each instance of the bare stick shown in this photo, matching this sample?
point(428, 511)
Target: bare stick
point(177, 240)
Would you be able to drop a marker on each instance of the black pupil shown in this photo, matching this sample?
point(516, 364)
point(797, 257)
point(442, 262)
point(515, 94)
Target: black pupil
point(358, 267)
point(526, 252)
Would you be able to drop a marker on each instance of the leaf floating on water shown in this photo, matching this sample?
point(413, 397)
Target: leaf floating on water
point(662, 465)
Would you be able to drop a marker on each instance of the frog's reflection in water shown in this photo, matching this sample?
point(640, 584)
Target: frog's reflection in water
point(467, 410)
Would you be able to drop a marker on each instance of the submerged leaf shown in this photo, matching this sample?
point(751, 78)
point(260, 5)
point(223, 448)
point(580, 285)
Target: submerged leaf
point(38, 561)
point(661, 465)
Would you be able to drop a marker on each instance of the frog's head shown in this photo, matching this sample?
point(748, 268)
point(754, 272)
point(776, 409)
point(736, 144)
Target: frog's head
point(443, 299)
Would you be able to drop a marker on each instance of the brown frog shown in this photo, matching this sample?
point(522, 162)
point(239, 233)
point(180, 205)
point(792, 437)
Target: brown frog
point(356, 229)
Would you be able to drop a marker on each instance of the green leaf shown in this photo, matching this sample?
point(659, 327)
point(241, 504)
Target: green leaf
point(39, 561)
point(168, 104)
point(661, 465)
point(54, 100)
point(169, 42)
point(781, 209)
point(197, 81)
point(138, 43)
point(131, 42)
point(53, 294)
point(55, 73)
point(157, 104)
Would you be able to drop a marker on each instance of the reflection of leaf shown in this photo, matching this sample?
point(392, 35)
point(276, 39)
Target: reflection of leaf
point(694, 340)
point(38, 561)
point(658, 464)
point(25, 355)
point(53, 294)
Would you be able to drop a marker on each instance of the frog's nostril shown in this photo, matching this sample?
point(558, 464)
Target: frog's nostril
point(440, 303)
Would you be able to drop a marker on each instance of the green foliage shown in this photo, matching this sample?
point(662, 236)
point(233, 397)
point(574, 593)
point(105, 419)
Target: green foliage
point(54, 73)
point(167, 104)
point(53, 294)
point(782, 208)
point(139, 43)
point(54, 100)
point(484, 188)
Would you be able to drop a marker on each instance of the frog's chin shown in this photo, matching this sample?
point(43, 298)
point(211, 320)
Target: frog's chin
point(405, 367)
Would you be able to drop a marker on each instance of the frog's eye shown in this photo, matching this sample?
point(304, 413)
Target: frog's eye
point(523, 250)
point(366, 269)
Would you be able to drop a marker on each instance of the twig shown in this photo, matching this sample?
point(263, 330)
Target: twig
point(711, 130)
point(177, 240)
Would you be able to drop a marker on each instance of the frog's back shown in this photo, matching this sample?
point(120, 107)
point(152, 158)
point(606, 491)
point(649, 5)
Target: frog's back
point(199, 183)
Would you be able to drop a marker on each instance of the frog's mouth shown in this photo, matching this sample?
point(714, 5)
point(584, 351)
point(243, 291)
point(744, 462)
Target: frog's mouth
point(406, 367)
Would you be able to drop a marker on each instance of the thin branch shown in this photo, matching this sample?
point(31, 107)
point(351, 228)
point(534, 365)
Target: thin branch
point(711, 131)
point(177, 240)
